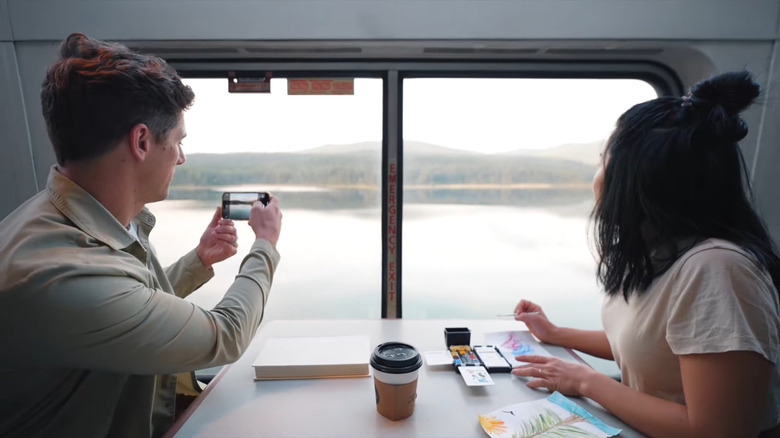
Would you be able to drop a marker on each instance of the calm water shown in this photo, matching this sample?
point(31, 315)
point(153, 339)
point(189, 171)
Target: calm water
point(459, 261)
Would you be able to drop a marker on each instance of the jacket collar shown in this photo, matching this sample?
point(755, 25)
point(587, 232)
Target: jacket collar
point(89, 215)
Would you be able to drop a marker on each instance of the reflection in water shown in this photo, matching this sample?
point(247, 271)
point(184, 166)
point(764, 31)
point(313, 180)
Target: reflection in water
point(338, 198)
point(460, 261)
point(474, 258)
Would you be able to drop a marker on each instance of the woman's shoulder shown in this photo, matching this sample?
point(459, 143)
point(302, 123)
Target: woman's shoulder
point(716, 253)
point(715, 266)
point(720, 298)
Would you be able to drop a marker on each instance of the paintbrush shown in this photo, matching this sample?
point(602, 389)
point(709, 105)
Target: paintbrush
point(515, 314)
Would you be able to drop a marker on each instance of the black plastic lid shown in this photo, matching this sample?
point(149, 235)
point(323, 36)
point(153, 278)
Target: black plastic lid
point(395, 358)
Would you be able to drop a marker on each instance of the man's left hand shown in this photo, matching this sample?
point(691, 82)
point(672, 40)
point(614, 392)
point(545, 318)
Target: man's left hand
point(218, 242)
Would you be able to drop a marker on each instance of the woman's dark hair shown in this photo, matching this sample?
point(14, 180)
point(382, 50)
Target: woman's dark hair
point(674, 176)
point(97, 91)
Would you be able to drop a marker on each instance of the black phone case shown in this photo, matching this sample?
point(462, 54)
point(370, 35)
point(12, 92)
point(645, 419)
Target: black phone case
point(244, 205)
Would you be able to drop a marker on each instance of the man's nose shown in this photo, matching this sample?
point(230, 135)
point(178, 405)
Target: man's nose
point(182, 158)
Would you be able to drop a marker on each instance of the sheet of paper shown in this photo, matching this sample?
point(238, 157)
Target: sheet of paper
point(515, 343)
point(438, 357)
point(555, 415)
point(475, 376)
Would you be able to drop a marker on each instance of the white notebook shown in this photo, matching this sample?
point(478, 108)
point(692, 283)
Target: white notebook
point(313, 357)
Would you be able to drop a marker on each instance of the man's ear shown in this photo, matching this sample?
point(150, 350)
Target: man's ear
point(140, 138)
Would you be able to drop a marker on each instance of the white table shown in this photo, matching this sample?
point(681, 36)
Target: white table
point(234, 405)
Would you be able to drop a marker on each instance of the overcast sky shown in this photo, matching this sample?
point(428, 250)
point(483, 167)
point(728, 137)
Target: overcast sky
point(489, 115)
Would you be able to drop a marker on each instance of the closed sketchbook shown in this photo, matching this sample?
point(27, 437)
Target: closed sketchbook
point(313, 357)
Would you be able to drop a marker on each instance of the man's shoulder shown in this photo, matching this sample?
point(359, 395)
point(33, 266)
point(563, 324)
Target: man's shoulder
point(23, 219)
point(37, 238)
point(36, 216)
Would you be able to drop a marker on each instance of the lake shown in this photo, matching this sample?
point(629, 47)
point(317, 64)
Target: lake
point(459, 261)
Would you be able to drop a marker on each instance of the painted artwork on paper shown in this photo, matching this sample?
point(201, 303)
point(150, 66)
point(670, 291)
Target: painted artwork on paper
point(515, 343)
point(554, 416)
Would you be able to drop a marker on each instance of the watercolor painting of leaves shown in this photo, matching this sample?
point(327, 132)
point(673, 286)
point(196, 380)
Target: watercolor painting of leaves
point(553, 417)
point(548, 424)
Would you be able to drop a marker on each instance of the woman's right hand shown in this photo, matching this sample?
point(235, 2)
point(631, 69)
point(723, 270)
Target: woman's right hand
point(534, 318)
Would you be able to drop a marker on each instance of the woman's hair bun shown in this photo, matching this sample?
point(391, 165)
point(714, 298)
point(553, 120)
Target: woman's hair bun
point(719, 100)
point(733, 91)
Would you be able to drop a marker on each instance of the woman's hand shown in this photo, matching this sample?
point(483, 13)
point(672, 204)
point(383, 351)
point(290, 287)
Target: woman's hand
point(555, 374)
point(534, 318)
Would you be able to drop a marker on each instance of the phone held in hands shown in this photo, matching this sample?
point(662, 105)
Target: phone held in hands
point(237, 205)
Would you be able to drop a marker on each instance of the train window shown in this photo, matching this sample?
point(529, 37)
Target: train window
point(497, 193)
point(321, 155)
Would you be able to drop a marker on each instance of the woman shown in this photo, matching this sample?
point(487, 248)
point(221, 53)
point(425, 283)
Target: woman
point(691, 314)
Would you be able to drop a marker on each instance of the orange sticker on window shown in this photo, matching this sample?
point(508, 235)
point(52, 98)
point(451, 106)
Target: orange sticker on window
point(321, 86)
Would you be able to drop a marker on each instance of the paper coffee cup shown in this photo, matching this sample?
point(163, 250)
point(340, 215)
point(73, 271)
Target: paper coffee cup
point(395, 366)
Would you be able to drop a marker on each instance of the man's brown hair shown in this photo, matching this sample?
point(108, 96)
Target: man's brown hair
point(97, 91)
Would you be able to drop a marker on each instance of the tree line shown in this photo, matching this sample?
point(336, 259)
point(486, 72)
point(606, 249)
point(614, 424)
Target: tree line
point(361, 169)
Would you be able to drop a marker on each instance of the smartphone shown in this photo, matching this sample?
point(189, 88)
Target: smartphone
point(237, 205)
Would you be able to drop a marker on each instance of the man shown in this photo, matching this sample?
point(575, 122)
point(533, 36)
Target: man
point(92, 328)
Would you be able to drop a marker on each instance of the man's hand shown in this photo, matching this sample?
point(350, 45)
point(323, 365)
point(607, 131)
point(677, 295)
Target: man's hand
point(218, 242)
point(266, 220)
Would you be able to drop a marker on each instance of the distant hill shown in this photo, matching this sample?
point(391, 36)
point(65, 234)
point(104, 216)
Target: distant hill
point(359, 164)
point(432, 174)
point(587, 153)
point(344, 148)
point(410, 147)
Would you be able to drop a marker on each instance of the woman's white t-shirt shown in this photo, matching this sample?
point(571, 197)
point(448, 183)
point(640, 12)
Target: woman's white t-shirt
point(715, 298)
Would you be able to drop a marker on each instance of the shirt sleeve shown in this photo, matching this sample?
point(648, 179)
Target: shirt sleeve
point(723, 302)
point(106, 320)
point(188, 274)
